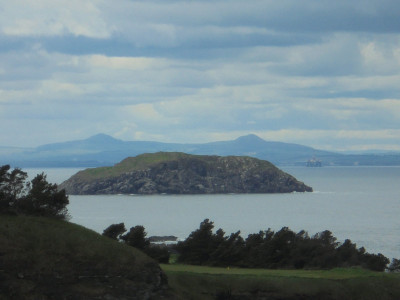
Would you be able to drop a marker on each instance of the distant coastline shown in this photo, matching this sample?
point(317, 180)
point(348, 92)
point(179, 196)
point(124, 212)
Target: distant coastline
point(103, 150)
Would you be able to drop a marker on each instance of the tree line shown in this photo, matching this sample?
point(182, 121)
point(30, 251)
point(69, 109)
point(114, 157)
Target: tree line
point(36, 197)
point(283, 249)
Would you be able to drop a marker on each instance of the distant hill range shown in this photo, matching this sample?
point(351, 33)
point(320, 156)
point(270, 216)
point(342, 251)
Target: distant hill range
point(104, 150)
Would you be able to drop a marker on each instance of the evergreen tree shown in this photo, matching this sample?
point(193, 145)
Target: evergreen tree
point(45, 199)
point(13, 186)
point(114, 231)
point(136, 237)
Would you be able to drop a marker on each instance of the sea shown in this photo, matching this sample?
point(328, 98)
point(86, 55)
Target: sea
point(357, 203)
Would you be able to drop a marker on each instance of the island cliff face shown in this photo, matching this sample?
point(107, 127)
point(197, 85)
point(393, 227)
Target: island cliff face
point(180, 173)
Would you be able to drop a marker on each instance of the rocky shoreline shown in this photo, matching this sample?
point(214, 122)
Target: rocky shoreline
point(179, 173)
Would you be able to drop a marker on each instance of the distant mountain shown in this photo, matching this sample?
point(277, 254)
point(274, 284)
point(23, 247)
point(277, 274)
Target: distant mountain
point(104, 150)
point(100, 140)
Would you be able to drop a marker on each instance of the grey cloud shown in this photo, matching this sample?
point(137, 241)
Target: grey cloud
point(190, 44)
point(289, 15)
point(187, 29)
point(267, 65)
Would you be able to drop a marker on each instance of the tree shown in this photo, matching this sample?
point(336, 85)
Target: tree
point(196, 249)
point(326, 238)
point(136, 237)
point(281, 249)
point(114, 231)
point(44, 199)
point(38, 197)
point(347, 254)
point(394, 265)
point(159, 252)
point(13, 186)
point(228, 251)
point(375, 262)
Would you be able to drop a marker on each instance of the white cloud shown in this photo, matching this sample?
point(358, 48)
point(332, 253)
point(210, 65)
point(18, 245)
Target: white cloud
point(381, 58)
point(53, 18)
point(323, 74)
point(128, 63)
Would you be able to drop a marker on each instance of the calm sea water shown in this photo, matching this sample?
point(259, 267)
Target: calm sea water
point(359, 203)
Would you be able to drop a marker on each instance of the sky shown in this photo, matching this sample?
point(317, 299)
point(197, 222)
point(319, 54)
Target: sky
point(320, 73)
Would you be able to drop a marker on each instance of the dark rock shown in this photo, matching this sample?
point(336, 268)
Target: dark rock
point(179, 173)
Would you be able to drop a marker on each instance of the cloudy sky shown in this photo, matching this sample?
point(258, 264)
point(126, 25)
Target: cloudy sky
point(315, 72)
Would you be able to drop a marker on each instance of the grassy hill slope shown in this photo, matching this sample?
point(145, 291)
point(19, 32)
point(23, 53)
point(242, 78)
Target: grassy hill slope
point(50, 259)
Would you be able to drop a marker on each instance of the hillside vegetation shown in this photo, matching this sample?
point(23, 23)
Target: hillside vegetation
point(283, 249)
point(180, 173)
point(44, 258)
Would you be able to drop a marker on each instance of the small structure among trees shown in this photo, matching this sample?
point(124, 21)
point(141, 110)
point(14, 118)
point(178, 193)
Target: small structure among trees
point(35, 197)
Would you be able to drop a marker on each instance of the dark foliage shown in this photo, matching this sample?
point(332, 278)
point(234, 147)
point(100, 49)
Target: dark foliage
point(13, 187)
point(198, 247)
point(269, 249)
point(374, 262)
point(394, 265)
point(37, 197)
point(115, 231)
point(136, 237)
point(159, 252)
point(44, 199)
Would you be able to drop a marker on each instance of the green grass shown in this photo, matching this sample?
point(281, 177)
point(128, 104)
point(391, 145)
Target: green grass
point(334, 274)
point(139, 162)
point(42, 255)
point(201, 282)
point(147, 160)
point(47, 239)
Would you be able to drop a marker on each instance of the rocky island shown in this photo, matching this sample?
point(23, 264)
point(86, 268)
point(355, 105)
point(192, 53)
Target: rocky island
point(180, 173)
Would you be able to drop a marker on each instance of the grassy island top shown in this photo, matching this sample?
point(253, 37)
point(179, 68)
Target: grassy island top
point(147, 160)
